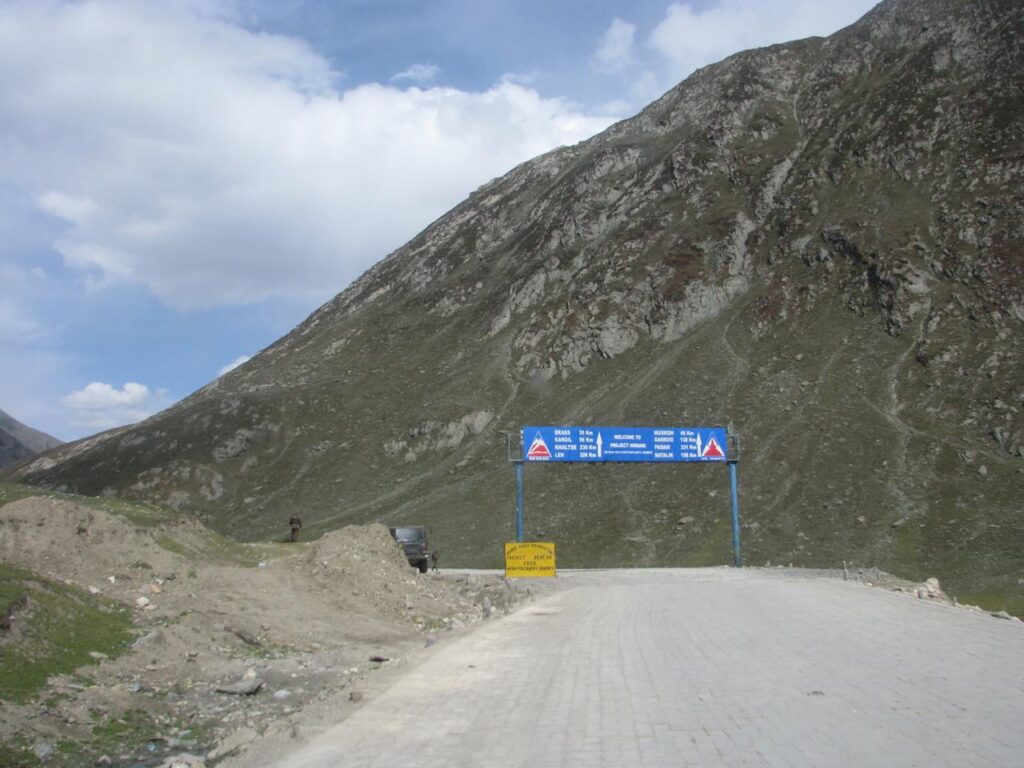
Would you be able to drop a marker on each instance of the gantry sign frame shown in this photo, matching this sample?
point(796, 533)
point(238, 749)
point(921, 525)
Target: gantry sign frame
point(603, 445)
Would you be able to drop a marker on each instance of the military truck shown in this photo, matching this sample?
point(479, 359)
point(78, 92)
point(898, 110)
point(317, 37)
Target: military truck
point(415, 542)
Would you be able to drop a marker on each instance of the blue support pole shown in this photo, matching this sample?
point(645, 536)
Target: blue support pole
point(519, 500)
point(736, 559)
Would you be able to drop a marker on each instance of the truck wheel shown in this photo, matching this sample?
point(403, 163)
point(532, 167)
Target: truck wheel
point(423, 566)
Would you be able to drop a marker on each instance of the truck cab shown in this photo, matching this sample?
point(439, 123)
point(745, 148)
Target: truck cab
point(415, 542)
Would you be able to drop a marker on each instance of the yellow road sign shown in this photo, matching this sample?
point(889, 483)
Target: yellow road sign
point(528, 559)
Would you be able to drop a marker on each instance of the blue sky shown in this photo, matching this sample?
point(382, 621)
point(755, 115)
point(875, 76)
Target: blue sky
point(181, 183)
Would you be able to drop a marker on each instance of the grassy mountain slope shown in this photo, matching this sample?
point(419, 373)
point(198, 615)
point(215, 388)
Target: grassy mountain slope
point(815, 244)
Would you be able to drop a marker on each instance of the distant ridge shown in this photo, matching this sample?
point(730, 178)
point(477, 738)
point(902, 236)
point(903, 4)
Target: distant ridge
point(18, 441)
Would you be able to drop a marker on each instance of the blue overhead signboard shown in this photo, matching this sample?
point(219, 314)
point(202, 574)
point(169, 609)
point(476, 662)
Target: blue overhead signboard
point(649, 444)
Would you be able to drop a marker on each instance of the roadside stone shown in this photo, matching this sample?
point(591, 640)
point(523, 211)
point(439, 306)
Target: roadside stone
point(184, 760)
point(156, 637)
point(241, 688)
point(43, 749)
point(232, 743)
point(246, 637)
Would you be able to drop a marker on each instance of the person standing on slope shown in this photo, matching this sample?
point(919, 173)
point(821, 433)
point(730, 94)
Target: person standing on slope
point(295, 523)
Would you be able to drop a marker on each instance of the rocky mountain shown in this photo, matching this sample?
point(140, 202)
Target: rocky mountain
point(815, 244)
point(19, 442)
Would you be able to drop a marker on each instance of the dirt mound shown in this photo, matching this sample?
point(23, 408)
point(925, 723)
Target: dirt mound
point(300, 623)
point(363, 569)
point(368, 551)
point(64, 540)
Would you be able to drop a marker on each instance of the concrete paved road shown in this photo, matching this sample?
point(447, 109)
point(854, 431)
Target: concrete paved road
point(708, 667)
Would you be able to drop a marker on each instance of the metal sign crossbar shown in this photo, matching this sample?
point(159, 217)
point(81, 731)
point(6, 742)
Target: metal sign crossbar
point(628, 444)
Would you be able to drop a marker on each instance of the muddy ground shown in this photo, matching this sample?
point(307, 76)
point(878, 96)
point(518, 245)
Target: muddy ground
point(227, 641)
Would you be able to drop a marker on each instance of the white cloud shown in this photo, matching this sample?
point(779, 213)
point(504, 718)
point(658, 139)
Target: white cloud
point(216, 166)
point(74, 209)
point(615, 52)
point(101, 406)
point(98, 396)
point(233, 364)
point(689, 38)
point(418, 73)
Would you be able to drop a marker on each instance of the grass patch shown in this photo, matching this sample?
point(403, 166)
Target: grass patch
point(198, 544)
point(13, 757)
point(172, 545)
point(51, 630)
point(13, 491)
point(134, 727)
point(211, 548)
point(995, 600)
point(137, 728)
point(141, 514)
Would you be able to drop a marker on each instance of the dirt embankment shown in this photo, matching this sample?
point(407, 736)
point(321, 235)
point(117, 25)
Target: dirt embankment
point(230, 640)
